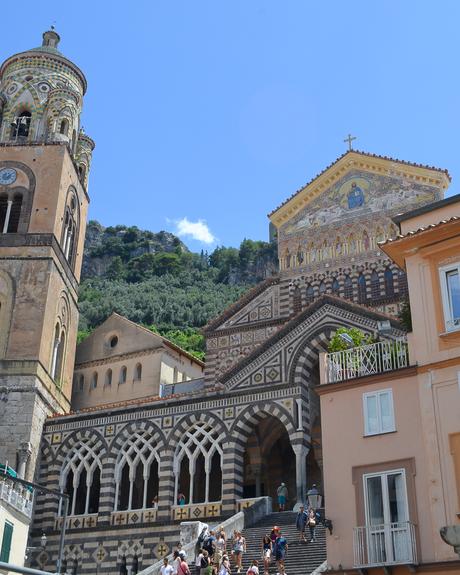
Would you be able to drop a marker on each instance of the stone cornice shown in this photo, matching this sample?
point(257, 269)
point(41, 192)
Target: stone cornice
point(172, 406)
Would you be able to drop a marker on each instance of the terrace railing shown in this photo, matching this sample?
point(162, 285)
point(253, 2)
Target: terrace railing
point(366, 360)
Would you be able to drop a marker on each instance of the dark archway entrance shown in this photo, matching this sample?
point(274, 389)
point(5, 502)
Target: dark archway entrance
point(269, 460)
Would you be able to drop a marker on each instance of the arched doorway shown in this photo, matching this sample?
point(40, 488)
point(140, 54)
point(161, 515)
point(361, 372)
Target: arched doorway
point(269, 460)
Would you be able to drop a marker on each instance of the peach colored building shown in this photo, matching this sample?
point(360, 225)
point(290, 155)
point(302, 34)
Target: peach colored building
point(122, 361)
point(391, 416)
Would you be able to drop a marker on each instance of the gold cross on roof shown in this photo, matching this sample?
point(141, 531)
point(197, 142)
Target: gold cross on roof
point(350, 139)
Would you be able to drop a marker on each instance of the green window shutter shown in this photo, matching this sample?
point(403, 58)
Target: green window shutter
point(6, 542)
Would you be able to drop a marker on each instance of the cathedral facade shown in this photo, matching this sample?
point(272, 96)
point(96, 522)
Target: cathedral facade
point(216, 437)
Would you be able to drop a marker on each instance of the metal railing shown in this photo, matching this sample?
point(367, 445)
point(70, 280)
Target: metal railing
point(16, 495)
point(366, 360)
point(385, 544)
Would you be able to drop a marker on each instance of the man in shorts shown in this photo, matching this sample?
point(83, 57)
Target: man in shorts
point(281, 547)
point(282, 493)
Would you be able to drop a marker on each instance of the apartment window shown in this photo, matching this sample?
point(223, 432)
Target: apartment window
point(378, 412)
point(450, 288)
point(6, 542)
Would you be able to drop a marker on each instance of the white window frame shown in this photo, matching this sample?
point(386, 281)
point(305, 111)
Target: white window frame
point(380, 430)
point(451, 323)
point(385, 474)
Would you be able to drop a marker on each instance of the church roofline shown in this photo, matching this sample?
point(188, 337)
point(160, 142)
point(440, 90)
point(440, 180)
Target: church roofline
point(163, 340)
point(240, 303)
point(299, 318)
point(272, 215)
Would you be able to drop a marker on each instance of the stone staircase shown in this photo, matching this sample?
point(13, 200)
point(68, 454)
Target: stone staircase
point(301, 559)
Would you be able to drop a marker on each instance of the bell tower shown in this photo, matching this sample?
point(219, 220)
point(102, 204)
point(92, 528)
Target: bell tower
point(45, 159)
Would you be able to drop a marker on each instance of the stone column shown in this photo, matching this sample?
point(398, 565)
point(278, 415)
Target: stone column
point(107, 493)
point(25, 451)
point(301, 452)
point(165, 485)
point(232, 476)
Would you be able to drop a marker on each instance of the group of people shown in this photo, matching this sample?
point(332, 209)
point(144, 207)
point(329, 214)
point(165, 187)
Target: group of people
point(274, 545)
point(215, 554)
point(307, 519)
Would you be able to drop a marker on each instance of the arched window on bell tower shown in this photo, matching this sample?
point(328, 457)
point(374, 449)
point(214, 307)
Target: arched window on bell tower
point(70, 228)
point(20, 127)
point(64, 127)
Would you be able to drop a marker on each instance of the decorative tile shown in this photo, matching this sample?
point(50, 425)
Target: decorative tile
point(56, 438)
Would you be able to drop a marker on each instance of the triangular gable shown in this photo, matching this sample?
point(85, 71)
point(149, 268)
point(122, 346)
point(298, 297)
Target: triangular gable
point(360, 161)
point(272, 363)
point(256, 305)
point(130, 336)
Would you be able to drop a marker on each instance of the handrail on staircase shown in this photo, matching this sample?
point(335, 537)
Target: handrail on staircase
point(261, 507)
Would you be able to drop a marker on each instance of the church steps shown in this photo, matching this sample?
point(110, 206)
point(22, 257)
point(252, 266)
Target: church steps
point(301, 559)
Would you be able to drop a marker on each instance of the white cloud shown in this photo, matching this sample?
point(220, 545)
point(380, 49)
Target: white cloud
point(196, 230)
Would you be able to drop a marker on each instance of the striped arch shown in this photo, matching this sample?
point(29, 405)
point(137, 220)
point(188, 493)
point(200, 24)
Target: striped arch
point(135, 427)
point(100, 444)
point(189, 421)
point(253, 414)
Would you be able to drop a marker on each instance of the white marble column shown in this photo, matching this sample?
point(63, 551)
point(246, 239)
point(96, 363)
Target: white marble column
point(301, 452)
point(25, 451)
point(7, 216)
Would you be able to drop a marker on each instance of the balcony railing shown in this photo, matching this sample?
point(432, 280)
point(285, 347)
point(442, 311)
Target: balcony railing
point(385, 544)
point(366, 360)
point(16, 495)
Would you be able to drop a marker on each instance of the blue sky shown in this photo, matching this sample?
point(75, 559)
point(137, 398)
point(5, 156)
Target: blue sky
point(208, 114)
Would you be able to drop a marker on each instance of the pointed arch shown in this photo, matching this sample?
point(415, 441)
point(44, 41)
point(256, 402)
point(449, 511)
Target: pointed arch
point(198, 457)
point(362, 288)
point(138, 446)
point(348, 287)
point(375, 285)
point(389, 281)
point(81, 471)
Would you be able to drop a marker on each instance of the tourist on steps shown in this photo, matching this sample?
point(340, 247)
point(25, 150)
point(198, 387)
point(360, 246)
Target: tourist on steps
point(282, 493)
point(254, 568)
point(312, 524)
point(220, 548)
point(225, 566)
point(166, 568)
point(183, 567)
point(266, 553)
point(176, 562)
point(281, 547)
point(300, 523)
point(205, 564)
point(239, 546)
point(198, 558)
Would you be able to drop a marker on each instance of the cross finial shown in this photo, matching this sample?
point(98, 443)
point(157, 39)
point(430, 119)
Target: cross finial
point(350, 139)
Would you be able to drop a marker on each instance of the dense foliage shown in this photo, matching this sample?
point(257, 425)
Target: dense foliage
point(339, 344)
point(153, 279)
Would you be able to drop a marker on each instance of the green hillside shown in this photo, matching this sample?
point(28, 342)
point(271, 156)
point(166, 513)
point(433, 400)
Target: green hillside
point(153, 279)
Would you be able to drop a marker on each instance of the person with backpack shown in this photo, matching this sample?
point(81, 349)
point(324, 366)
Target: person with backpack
point(209, 544)
point(200, 541)
point(281, 547)
point(205, 564)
